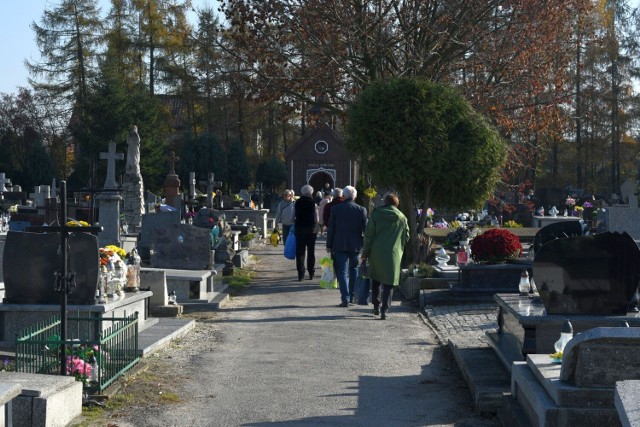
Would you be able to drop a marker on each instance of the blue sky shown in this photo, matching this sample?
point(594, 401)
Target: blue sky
point(17, 39)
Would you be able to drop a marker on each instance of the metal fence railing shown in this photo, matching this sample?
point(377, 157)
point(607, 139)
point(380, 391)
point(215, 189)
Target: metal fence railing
point(99, 352)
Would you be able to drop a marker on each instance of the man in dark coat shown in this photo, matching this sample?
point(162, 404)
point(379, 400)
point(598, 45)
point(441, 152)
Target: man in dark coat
point(347, 222)
point(305, 220)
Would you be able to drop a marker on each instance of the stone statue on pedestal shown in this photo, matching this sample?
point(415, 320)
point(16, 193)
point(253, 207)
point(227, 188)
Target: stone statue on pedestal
point(133, 187)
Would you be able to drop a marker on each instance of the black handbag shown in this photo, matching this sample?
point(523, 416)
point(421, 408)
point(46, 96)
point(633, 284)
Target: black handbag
point(362, 289)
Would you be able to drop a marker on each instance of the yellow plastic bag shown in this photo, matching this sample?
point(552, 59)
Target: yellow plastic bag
point(328, 279)
point(275, 237)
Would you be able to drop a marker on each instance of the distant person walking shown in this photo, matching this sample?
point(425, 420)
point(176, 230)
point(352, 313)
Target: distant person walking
point(347, 222)
point(305, 220)
point(337, 198)
point(284, 213)
point(325, 200)
point(384, 239)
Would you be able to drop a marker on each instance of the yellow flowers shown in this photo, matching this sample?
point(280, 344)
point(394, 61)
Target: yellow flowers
point(370, 192)
point(121, 252)
point(557, 355)
point(74, 223)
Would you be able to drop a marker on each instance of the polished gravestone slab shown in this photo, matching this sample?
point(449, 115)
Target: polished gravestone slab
point(30, 261)
point(524, 327)
point(181, 246)
point(556, 230)
point(588, 274)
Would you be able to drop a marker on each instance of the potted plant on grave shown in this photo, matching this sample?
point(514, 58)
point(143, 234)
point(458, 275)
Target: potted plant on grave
point(495, 245)
point(246, 241)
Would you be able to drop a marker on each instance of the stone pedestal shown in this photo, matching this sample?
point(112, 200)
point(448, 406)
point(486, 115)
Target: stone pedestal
point(133, 205)
point(172, 189)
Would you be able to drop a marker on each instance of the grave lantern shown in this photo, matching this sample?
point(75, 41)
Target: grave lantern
point(566, 334)
point(525, 286)
point(133, 272)
point(173, 299)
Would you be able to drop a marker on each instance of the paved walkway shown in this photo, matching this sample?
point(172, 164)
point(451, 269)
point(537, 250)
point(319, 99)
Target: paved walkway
point(282, 353)
point(467, 323)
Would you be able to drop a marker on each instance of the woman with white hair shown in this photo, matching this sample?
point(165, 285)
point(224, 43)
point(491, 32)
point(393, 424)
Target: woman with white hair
point(305, 220)
point(284, 213)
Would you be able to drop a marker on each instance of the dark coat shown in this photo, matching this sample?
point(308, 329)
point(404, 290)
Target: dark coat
point(327, 209)
point(347, 223)
point(306, 216)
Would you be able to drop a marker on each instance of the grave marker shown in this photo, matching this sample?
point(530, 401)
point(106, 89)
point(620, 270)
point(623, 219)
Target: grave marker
point(588, 275)
point(111, 156)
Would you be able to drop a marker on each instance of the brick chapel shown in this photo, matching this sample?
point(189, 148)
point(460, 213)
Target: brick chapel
point(318, 158)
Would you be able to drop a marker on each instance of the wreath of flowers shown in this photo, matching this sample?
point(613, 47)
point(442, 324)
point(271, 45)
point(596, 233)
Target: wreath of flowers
point(495, 245)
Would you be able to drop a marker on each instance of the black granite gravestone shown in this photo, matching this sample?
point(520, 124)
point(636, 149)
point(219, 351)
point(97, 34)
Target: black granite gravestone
point(556, 230)
point(31, 259)
point(588, 275)
point(181, 246)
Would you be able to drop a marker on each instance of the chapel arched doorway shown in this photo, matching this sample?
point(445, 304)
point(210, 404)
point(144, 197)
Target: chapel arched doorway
point(319, 179)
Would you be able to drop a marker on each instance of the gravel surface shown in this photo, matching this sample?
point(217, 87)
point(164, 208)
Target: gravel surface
point(281, 352)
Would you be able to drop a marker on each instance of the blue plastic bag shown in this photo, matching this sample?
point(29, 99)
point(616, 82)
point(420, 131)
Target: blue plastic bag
point(290, 245)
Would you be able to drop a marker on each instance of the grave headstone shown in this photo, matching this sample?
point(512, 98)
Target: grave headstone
point(109, 200)
point(41, 194)
point(152, 222)
point(556, 230)
point(594, 358)
point(580, 391)
point(111, 156)
point(226, 200)
point(627, 190)
point(245, 196)
point(549, 197)
point(181, 246)
point(588, 275)
point(172, 182)
point(4, 182)
point(34, 285)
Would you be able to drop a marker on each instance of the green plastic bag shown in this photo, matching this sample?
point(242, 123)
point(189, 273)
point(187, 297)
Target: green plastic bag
point(328, 279)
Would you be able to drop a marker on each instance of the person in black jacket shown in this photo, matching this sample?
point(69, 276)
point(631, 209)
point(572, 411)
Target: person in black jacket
point(305, 222)
point(347, 222)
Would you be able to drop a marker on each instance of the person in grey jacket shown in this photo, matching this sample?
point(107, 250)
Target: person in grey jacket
point(347, 222)
point(284, 213)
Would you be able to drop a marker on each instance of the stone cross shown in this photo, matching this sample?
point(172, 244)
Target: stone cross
point(172, 162)
point(111, 156)
point(3, 182)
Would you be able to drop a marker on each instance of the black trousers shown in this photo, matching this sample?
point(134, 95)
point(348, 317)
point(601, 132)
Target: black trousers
point(305, 243)
point(387, 295)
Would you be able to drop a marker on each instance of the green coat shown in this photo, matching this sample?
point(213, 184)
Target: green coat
point(384, 238)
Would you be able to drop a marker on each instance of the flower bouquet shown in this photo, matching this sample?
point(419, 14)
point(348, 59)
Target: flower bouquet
point(495, 245)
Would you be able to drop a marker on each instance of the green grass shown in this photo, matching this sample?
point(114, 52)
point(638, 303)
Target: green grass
point(241, 277)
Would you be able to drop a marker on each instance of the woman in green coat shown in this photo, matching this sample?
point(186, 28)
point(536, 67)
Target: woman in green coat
point(384, 238)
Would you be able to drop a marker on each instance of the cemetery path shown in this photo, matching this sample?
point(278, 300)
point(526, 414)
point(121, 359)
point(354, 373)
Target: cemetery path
point(282, 353)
